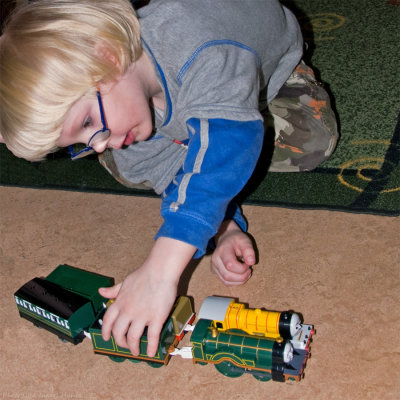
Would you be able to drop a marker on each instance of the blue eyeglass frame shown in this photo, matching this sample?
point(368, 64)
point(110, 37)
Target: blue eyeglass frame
point(89, 148)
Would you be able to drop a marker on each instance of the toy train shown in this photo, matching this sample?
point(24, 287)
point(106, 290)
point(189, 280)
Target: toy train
point(266, 344)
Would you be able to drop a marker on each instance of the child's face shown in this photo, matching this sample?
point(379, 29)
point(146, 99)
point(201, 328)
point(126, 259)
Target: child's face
point(126, 110)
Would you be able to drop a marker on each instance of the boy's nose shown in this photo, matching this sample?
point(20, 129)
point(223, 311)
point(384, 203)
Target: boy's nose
point(100, 146)
point(100, 140)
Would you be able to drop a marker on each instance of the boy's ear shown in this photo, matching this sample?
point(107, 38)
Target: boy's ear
point(103, 52)
point(1, 139)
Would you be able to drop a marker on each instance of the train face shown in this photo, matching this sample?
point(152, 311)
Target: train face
point(171, 334)
point(65, 303)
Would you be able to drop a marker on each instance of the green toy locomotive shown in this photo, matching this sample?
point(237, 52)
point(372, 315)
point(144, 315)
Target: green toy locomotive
point(237, 340)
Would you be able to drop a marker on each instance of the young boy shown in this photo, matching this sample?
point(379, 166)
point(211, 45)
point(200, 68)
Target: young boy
point(199, 72)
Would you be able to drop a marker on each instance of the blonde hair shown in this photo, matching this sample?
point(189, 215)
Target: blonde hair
point(53, 52)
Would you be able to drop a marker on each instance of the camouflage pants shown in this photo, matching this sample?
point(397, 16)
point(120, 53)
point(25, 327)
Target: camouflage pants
point(304, 123)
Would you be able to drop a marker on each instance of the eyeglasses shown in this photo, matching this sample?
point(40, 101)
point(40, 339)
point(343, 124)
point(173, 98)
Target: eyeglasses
point(98, 138)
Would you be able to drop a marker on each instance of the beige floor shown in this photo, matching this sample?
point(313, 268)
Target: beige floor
point(340, 270)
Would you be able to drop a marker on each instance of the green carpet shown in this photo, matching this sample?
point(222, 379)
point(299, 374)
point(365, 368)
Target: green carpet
point(354, 47)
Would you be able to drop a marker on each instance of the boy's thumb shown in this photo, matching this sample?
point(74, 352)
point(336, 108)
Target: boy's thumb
point(110, 292)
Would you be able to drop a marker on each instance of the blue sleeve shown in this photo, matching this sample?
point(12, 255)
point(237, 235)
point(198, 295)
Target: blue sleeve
point(234, 212)
point(222, 155)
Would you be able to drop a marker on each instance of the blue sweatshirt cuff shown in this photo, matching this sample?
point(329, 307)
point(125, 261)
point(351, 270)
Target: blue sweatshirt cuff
point(186, 228)
point(196, 231)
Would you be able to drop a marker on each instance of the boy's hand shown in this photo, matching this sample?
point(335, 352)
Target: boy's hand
point(139, 302)
point(234, 255)
point(146, 296)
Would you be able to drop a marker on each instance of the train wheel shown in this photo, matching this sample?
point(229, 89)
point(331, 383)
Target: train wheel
point(155, 364)
point(262, 376)
point(228, 369)
point(117, 359)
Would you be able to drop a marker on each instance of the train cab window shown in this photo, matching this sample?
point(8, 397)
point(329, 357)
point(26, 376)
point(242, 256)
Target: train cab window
point(218, 325)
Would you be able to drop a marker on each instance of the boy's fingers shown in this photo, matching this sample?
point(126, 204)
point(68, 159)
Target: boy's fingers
point(249, 256)
point(244, 250)
point(232, 264)
point(153, 336)
point(230, 278)
point(235, 279)
point(108, 321)
point(110, 292)
point(133, 337)
point(135, 333)
point(120, 330)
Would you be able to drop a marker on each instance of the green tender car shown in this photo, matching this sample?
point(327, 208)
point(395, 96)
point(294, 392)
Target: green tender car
point(172, 332)
point(65, 303)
